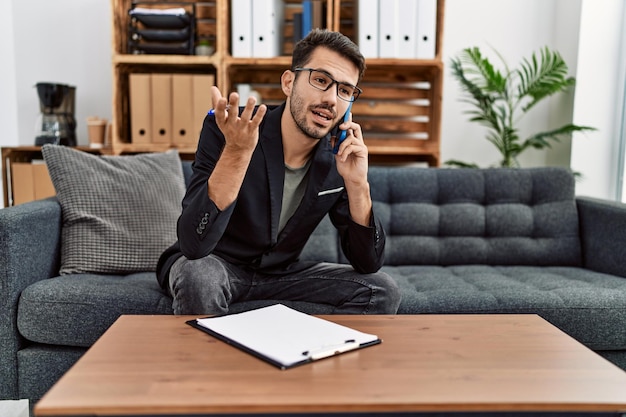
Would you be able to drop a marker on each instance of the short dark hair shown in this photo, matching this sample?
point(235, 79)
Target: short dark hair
point(334, 41)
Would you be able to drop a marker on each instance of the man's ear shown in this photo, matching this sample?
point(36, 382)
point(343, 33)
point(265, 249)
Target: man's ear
point(286, 82)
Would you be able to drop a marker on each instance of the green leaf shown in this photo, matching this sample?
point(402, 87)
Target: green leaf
point(543, 77)
point(482, 71)
point(543, 140)
point(460, 164)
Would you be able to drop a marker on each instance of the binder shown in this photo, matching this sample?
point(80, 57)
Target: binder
point(426, 28)
point(307, 17)
point(267, 18)
point(407, 29)
point(201, 93)
point(318, 14)
point(183, 131)
point(388, 29)
point(241, 28)
point(297, 27)
point(367, 27)
point(140, 94)
point(283, 336)
point(312, 16)
point(161, 108)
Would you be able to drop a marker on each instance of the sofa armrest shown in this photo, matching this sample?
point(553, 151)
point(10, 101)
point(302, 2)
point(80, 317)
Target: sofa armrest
point(603, 235)
point(30, 236)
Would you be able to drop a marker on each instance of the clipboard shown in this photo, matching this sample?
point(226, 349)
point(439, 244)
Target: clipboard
point(284, 337)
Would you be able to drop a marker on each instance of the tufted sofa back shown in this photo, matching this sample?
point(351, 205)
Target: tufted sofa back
point(477, 216)
point(496, 216)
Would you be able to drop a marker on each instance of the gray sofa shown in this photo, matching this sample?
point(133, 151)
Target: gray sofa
point(459, 241)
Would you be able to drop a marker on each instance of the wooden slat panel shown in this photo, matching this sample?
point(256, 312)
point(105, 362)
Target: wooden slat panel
point(400, 127)
point(384, 109)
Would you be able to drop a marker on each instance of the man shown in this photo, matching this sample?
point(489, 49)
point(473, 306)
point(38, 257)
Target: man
point(264, 179)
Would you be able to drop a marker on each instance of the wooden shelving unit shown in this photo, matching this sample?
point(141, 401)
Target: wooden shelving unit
point(400, 109)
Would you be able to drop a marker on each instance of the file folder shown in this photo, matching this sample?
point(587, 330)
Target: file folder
point(140, 95)
point(388, 30)
point(426, 28)
point(407, 29)
point(162, 108)
point(312, 16)
point(201, 92)
point(318, 14)
point(241, 28)
point(284, 337)
point(267, 19)
point(183, 131)
point(367, 27)
point(307, 17)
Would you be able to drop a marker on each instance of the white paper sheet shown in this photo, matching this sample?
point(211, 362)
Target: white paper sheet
point(286, 336)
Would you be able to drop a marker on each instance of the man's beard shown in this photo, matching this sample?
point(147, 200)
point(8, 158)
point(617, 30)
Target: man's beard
point(299, 113)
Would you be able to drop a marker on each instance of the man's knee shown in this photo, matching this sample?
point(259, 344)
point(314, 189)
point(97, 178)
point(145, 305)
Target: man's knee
point(199, 286)
point(388, 293)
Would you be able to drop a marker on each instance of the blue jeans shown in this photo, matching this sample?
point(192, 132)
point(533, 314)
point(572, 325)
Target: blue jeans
point(209, 285)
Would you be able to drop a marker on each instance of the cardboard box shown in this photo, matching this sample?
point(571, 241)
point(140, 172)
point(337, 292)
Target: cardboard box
point(30, 181)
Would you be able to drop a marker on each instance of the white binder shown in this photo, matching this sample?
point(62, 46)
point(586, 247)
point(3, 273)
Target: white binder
point(407, 29)
point(241, 28)
point(388, 29)
point(367, 22)
point(426, 28)
point(267, 19)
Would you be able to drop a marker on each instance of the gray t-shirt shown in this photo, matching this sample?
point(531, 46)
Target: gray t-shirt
point(296, 180)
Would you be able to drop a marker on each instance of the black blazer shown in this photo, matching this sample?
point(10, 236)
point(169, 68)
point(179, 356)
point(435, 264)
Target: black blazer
point(246, 233)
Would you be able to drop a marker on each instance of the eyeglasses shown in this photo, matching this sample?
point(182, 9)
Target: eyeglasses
point(323, 81)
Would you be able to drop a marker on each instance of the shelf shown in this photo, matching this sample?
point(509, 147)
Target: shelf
point(131, 148)
point(184, 60)
point(399, 110)
point(283, 62)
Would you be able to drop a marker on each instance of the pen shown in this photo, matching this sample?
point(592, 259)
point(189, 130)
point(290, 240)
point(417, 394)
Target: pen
point(212, 111)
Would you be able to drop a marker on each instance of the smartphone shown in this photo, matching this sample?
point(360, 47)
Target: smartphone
point(342, 133)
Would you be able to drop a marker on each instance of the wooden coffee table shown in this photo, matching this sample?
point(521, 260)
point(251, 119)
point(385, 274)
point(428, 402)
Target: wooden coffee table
point(155, 365)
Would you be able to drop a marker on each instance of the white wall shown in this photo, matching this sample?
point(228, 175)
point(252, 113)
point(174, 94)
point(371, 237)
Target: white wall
point(599, 97)
point(8, 91)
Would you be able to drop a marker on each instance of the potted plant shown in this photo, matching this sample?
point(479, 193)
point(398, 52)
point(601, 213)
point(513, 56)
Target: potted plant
point(501, 98)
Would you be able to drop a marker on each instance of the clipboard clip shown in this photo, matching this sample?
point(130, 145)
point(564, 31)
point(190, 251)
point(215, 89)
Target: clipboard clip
point(330, 350)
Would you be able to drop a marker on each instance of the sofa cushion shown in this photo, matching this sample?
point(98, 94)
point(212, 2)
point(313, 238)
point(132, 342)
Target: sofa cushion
point(589, 306)
point(119, 212)
point(469, 216)
point(74, 310)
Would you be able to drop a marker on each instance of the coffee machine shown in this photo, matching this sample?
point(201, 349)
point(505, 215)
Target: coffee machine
point(56, 123)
